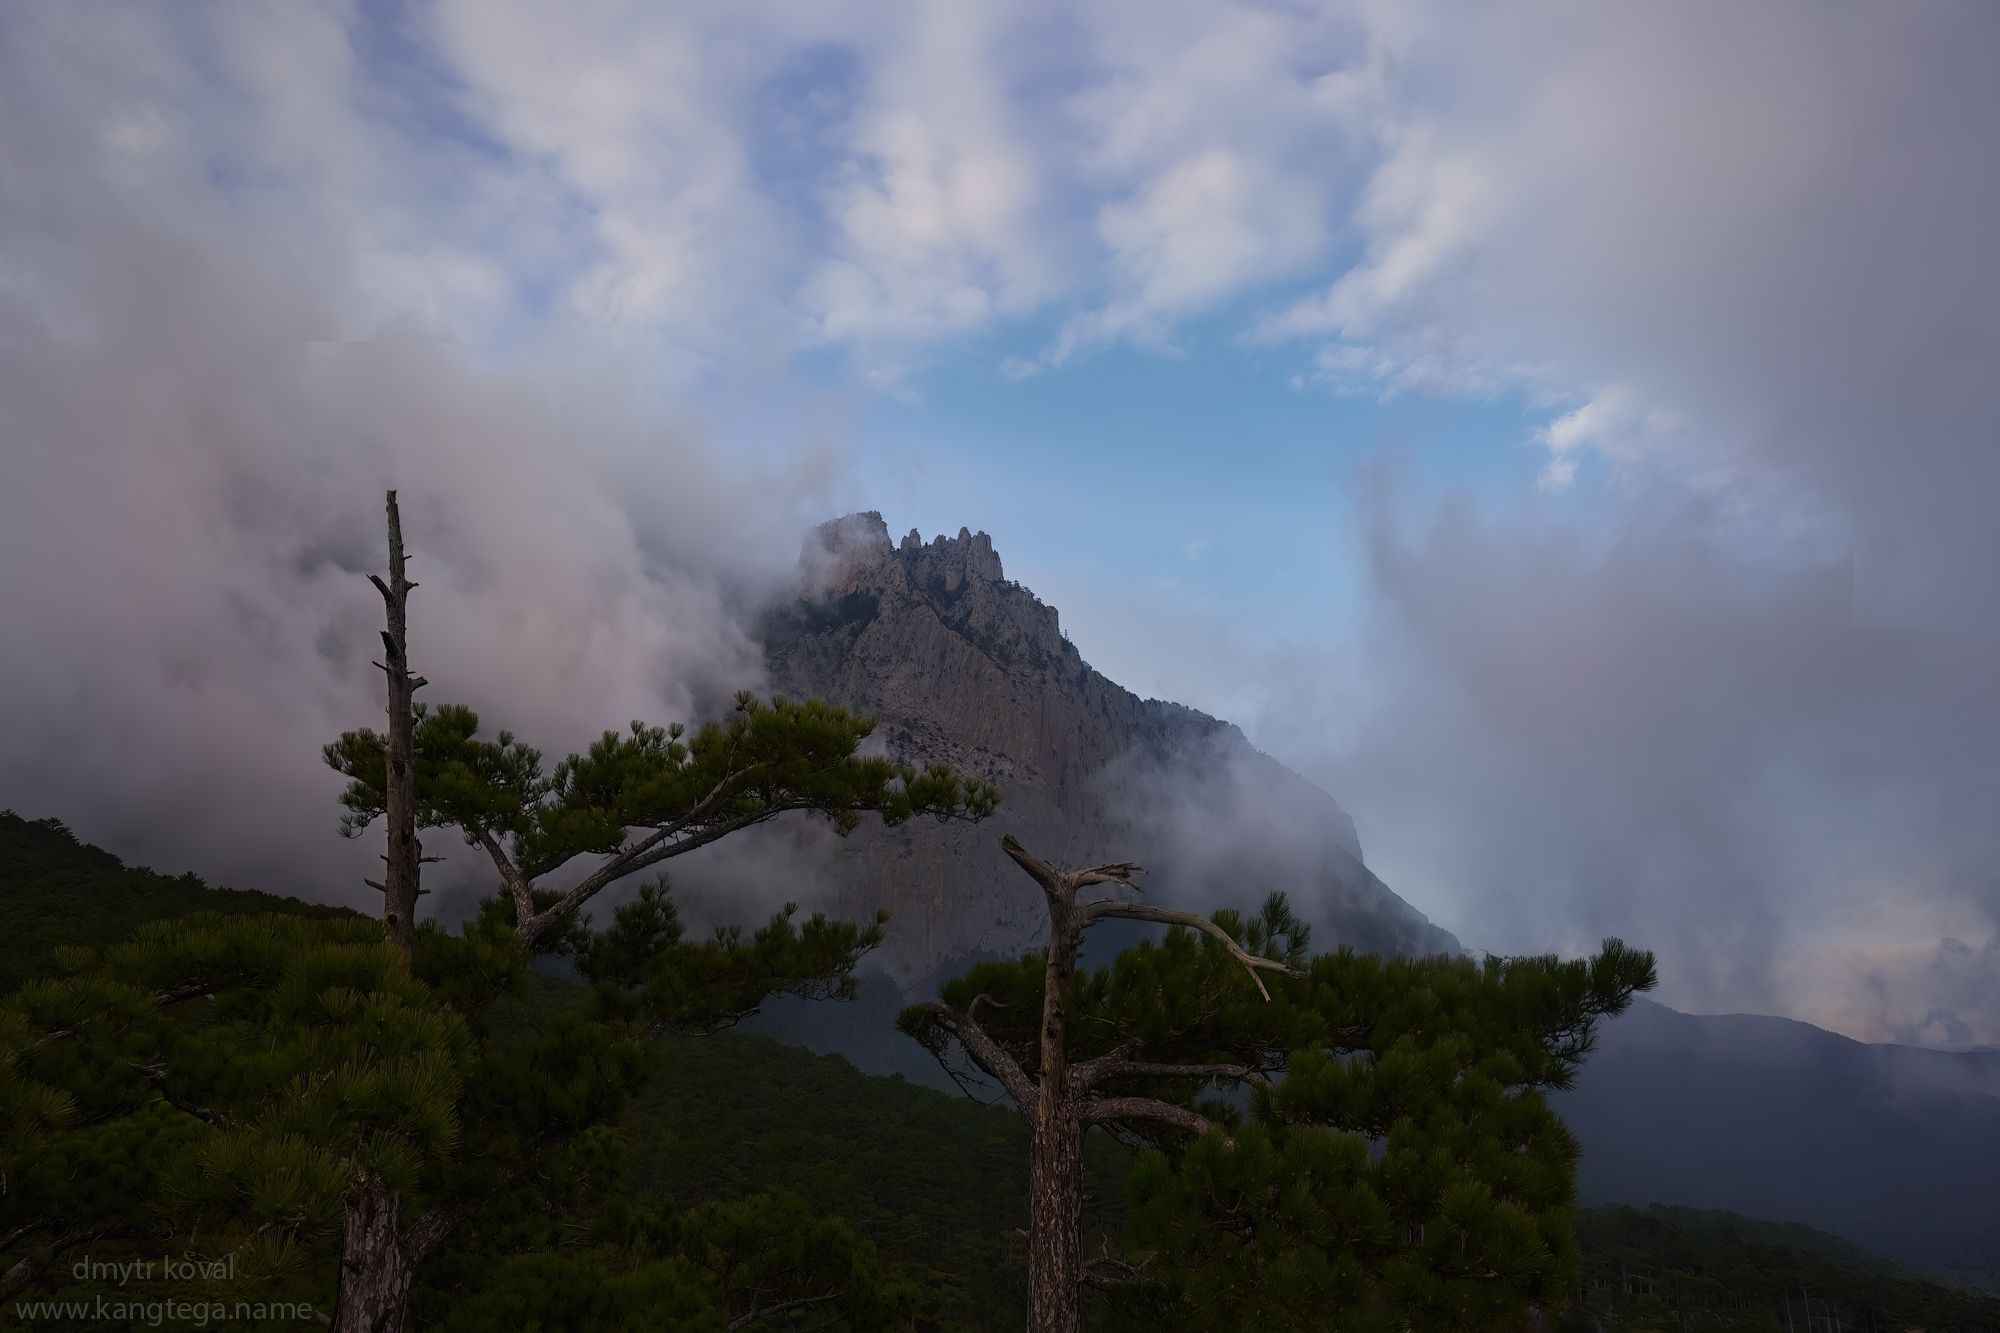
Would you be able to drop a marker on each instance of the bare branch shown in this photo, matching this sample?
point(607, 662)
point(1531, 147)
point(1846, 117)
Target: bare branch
point(1060, 883)
point(1106, 1273)
point(1104, 1110)
point(1167, 916)
point(745, 1321)
point(1091, 1072)
point(986, 1053)
point(1051, 879)
point(1121, 873)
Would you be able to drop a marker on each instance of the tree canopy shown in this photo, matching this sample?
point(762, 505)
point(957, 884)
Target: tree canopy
point(1404, 1171)
point(1337, 1141)
point(637, 798)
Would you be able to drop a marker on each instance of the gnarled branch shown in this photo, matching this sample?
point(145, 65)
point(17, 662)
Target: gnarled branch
point(1057, 882)
point(511, 876)
point(1105, 1110)
point(986, 1052)
point(1091, 1072)
point(1167, 916)
point(744, 1321)
point(1106, 1273)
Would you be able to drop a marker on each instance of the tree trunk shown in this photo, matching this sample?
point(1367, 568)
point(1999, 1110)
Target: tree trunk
point(399, 884)
point(375, 1266)
point(1055, 1167)
point(1055, 1241)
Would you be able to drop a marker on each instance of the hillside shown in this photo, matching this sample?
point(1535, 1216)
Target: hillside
point(936, 1180)
point(55, 890)
point(1891, 1147)
point(1684, 1267)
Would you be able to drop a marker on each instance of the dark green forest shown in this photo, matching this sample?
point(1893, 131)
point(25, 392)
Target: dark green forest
point(734, 1134)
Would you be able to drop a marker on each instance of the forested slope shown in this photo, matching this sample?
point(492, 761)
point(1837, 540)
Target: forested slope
point(938, 1181)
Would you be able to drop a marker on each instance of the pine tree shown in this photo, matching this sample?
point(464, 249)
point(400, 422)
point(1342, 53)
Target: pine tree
point(326, 1104)
point(279, 1099)
point(211, 1090)
point(1405, 1171)
point(1423, 1072)
point(628, 803)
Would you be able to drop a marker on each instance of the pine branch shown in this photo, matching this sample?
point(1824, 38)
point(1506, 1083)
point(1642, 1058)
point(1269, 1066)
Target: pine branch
point(985, 1052)
point(744, 1321)
point(172, 995)
point(1167, 916)
point(1106, 1273)
point(435, 1225)
point(649, 852)
point(1105, 1110)
point(511, 876)
point(157, 1076)
point(1056, 882)
point(1090, 1072)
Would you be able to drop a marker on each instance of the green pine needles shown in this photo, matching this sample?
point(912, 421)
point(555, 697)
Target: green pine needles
point(1405, 1171)
point(210, 1091)
point(635, 799)
point(1334, 1141)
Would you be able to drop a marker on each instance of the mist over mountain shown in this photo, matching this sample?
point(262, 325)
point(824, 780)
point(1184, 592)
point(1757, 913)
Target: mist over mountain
point(1889, 1146)
point(961, 665)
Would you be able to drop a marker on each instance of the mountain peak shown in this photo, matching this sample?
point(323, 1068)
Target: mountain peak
point(958, 664)
point(841, 549)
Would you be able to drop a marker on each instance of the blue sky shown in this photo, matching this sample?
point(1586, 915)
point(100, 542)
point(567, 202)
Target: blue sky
point(1586, 478)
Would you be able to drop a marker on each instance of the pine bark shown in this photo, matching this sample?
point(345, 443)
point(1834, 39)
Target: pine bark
point(1055, 1167)
point(375, 1265)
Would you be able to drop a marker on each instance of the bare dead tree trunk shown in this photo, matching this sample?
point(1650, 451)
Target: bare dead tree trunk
point(1055, 1163)
point(399, 882)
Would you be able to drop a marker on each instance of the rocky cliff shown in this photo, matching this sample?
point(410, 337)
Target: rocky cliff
point(962, 665)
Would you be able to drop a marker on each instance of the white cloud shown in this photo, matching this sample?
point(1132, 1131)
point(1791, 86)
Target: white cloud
point(1739, 258)
point(1612, 424)
point(935, 208)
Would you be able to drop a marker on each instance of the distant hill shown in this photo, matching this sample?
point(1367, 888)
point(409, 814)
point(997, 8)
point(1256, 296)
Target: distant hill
point(1893, 1147)
point(1690, 1268)
point(55, 890)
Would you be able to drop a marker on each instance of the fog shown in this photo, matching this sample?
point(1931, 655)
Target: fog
point(1712, 670)
point(201, 414)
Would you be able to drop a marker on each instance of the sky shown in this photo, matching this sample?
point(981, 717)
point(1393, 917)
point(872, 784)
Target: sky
point(1564, 431)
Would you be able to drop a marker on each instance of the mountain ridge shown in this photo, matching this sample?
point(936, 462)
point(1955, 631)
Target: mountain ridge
point(960, 664)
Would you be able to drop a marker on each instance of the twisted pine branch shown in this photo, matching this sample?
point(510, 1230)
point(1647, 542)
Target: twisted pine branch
point(1167, 916)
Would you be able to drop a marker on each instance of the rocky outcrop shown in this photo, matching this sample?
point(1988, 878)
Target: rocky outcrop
point(960, 664)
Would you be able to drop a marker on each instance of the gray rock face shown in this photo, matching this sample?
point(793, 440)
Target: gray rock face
point(960, 665)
